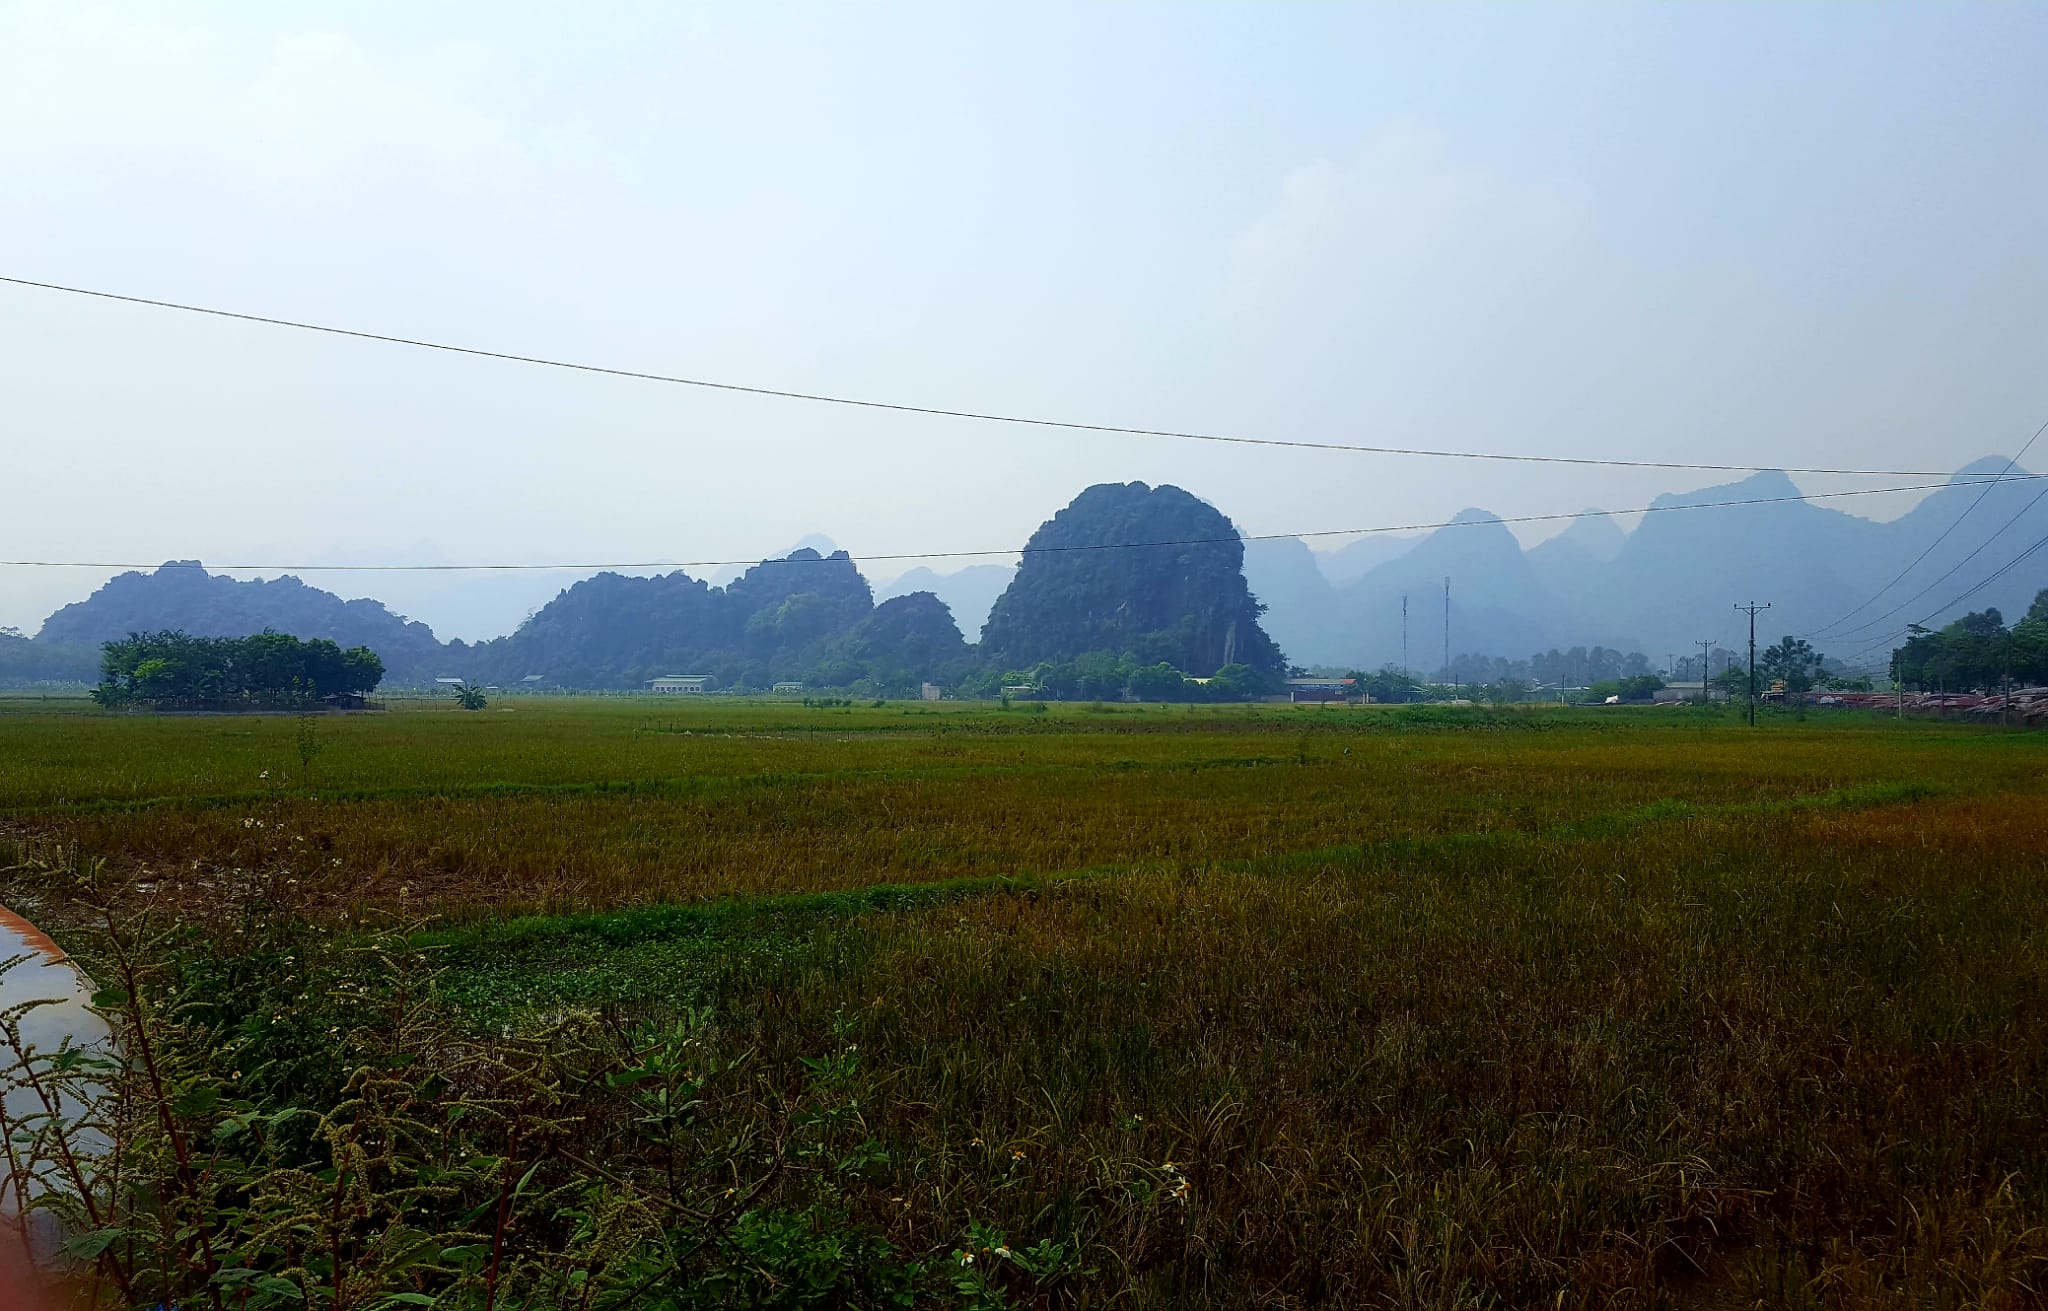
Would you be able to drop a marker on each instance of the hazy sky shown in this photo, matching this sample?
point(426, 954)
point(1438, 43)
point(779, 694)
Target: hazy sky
point(1760, 234)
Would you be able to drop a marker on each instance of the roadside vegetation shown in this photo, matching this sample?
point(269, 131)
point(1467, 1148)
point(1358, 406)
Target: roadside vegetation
point(1165, 1006)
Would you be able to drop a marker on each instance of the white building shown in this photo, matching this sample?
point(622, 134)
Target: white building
point(682, 684)
point(928, 691)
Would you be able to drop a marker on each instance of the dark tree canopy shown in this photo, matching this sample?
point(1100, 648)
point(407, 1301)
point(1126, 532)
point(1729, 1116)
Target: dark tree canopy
point(1978, 651)
point(1792, 662)
point(907, 640)
point(177, 671)
point(785, 608)
point(1183, 603)
point(916, 629)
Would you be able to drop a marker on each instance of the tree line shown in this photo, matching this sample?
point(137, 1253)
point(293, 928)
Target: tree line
point(176, 671)
point(1977, 652)
point(1107, 676)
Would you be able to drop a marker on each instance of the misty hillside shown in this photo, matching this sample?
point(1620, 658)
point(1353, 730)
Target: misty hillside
point(1669, 583)
point(1182, 602)
point(24, 662)
point(969, 593)
point(1660, 588)
point(778, 620)
point(806, 617)
point(1352, 560)
point(1561, 562)
point(181, 595)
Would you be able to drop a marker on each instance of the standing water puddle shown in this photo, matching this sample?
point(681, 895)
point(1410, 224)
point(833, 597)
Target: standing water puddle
point(40, 972)
point(45, 973)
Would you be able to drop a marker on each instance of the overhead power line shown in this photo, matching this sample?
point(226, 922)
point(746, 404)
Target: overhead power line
point(1952, 569)
point(1968, 510)
point(980, 416)
point(1989, 579)
point(997, 552)
point(1893, 635)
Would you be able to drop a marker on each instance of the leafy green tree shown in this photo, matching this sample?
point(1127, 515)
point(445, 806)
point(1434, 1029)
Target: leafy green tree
point(1241, 683)
point(1160, 682)
point(1388, 685)
point(1507, 691)
point(361, 670)
point(2028, 654)
point(1637, 687)
point(1976, 651)
point(1090, 676)
point(1792, 661)
point(1731, 682)
point(170, 670)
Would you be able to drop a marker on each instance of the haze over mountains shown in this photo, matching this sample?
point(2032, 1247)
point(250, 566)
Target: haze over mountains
point(1670, 582)
point(1659, 588)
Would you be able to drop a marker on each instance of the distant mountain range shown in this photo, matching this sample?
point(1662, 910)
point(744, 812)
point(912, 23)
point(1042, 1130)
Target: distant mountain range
point(1669, 583)
point(1660, 588)
point(181, 594)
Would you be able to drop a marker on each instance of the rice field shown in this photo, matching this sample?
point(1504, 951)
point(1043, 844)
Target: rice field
point(1265, 1006)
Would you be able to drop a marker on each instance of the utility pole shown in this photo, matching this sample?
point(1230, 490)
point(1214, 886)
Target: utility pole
point(2005, 710)
point(1447, 629)
point(1705, 647)
point(1404, 639)
point(1751, 610)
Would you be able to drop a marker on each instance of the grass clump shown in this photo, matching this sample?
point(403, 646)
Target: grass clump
point(290, 1116)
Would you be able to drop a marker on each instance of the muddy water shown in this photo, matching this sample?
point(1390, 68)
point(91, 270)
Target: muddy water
point(41, 972)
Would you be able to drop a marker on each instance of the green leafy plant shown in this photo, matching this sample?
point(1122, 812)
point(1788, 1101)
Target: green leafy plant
point(290, 1118)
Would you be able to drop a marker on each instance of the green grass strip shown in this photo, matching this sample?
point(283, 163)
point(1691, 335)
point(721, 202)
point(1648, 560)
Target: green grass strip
point(626, 928)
